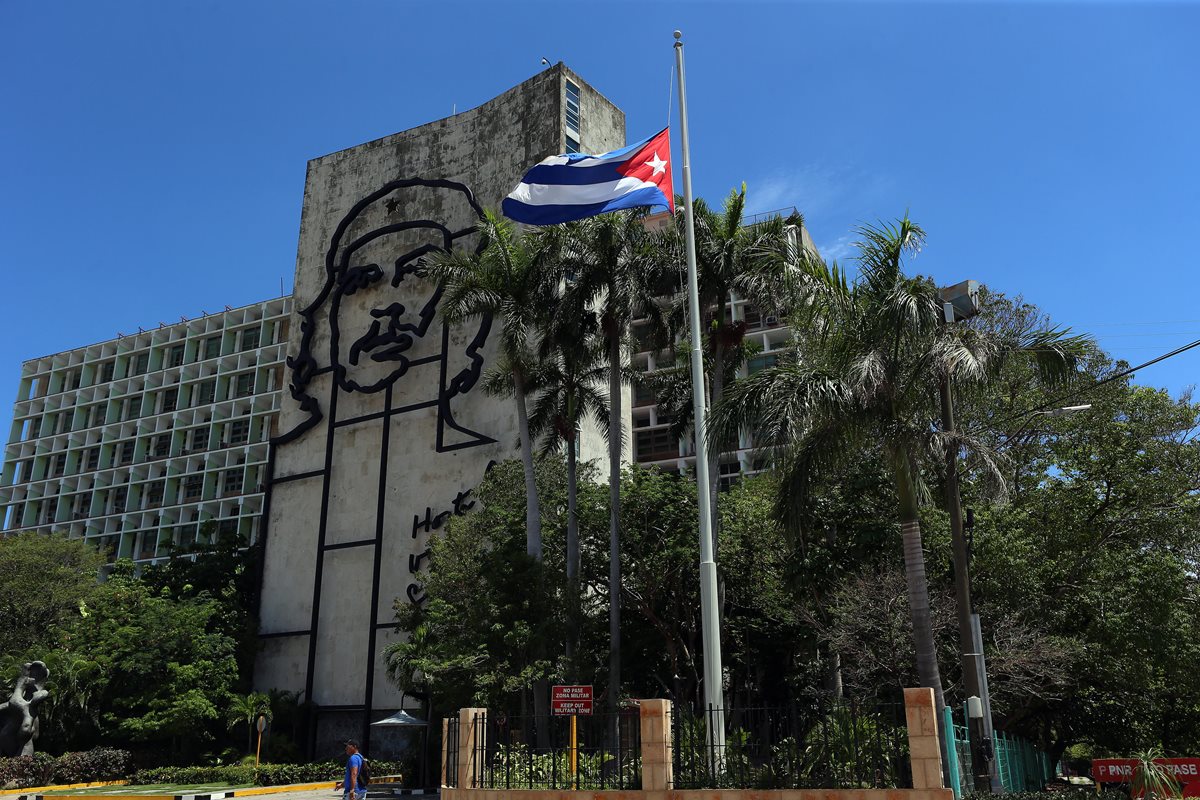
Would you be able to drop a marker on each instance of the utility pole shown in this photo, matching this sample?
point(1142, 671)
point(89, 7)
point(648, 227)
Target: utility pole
point(962, 591)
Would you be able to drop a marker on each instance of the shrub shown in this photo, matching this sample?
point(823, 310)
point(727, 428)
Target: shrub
point(25, 771)
point(40, 769)
point(98, 764)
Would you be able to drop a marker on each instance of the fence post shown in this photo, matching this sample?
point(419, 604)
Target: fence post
point(953, 767)
point(655, 724)
point(445, 749)
point(468, 753)
point(924, 749)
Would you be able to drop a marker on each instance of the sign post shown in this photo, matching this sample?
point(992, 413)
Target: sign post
point(572, 701)
point(261, 725)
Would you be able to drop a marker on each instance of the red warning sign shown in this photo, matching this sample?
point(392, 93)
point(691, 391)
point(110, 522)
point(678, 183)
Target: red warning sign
point(568, 700)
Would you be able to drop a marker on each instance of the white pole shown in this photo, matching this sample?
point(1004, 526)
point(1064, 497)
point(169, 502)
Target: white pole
point(708, 568)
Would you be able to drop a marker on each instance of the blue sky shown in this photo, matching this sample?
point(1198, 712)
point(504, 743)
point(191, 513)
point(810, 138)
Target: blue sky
point(153, 154)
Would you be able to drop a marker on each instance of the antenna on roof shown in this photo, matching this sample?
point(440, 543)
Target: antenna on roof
point(182, 318)
point(227, 308)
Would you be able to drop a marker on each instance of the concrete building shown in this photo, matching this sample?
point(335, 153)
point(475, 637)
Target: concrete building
point(384, 432)
point(134, 443)
point(653, 444)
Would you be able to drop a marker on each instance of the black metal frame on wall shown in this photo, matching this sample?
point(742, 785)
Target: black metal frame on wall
point(382, 345)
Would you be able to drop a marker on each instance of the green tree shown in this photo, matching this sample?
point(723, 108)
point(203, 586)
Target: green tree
point(506, 279)
point(871, 359)
point(570, 373)
point(613, 265)
point(246, 709)
point(45, 581)
point(163, 672)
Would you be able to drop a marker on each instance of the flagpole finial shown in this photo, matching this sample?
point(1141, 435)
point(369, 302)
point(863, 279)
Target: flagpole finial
point(678, 34)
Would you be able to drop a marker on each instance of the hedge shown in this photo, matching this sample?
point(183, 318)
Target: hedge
point(264, 775)
point(107, 764)
point(40, 769)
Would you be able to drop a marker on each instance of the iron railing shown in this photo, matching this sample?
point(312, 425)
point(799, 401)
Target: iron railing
point(451, 751)
point(514, 752)
point(835, 746)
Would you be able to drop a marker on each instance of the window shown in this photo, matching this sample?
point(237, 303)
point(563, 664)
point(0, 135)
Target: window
point(23, 472)
point(126, 453)
point(83, 504)
point(63, 422)
point(199, 439)
point(233, 481)
point(655, 445)
point(573, 111)
point(170, 399)
point(212, 347)
point(227, 527)
point(95, 414)
point(752, 316)
point(58, 465)
point(572, 144)
point(154, 494)
point(193, 487)
point(250, 338)
point(238, 431)
point(74, 378)
point(162, 445)
point(107, 371)
point(205, 392)
point(93, 458)
point(119, 496)
point(244, 387)
point(175, 356)
point(761, 362)
point(141, 363)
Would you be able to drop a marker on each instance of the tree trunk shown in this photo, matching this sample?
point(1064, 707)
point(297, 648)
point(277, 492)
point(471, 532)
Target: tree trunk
point(533, 511)
point(614, 522)
point(572, 551)
point(918, 585)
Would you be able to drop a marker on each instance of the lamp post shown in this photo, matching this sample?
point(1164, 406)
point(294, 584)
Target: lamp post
point(960, 302)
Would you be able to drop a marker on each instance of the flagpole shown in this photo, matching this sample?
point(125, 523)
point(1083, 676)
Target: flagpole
point(710, 623)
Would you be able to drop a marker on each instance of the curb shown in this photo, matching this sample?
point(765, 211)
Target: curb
point(30, 792)
point(247, 792)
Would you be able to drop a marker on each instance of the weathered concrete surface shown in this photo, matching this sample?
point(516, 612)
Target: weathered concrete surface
point(331, 606)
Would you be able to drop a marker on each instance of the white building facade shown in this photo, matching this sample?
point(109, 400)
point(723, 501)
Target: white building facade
point(136, 443)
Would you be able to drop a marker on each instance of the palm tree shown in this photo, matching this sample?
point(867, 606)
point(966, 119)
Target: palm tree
point(865, 374)
point(612, 265)
point(731, 256)
point(507, 280)
point(570, 373)
point(248, 708)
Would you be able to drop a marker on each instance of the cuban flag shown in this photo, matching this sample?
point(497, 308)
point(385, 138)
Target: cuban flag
point(575, 186)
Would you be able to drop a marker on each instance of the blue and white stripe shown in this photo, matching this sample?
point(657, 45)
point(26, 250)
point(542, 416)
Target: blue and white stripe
point(576, 185)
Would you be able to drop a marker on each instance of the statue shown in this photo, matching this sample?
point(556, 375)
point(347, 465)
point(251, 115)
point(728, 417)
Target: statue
point(18, 714)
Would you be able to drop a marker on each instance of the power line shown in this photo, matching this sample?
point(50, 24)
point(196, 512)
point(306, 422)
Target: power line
point(1056, 402)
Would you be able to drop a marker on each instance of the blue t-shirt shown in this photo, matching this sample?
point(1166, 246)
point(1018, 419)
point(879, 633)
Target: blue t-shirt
point(354, 762)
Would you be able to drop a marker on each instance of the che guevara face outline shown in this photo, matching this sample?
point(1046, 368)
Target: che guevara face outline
point(386, 342)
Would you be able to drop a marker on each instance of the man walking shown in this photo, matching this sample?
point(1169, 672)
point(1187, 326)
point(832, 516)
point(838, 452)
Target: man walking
point(352, 787)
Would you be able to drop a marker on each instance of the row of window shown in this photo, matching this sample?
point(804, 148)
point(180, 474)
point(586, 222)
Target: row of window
point(193, 395)
point(115, 500)
point(124, 453)
point(174, 355)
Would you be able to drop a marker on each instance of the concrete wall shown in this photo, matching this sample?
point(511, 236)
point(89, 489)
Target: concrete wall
point(386, 433)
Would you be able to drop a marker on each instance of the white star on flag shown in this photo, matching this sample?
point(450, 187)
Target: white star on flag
point(657, 163)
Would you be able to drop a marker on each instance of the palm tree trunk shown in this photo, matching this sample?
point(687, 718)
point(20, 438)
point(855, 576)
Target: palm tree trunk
point(614, 521)
point(572, 550)
point(918, 585)
point(533, 511)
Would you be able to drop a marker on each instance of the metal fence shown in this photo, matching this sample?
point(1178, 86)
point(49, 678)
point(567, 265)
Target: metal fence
point(450, 748)
point(1020, 766)
point(837, 746)
point(514, 752)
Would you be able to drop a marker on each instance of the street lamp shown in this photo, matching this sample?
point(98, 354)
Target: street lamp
point(961, 302)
